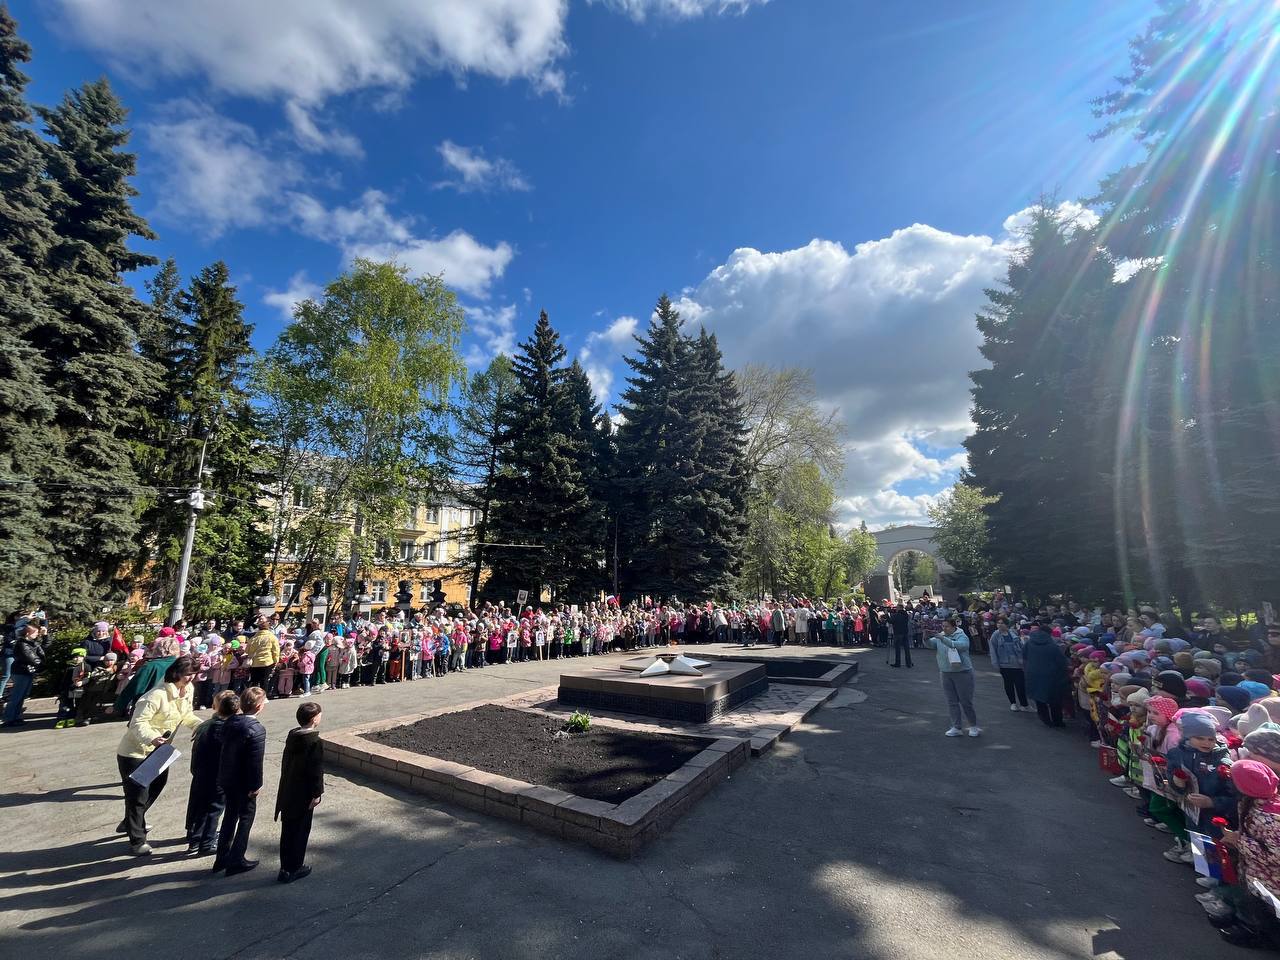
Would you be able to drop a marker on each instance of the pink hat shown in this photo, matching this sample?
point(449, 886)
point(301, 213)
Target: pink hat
point(1098, 656)
point(167, 632)
point(1199, 688)
point(1166, 707)
point(1254, 779)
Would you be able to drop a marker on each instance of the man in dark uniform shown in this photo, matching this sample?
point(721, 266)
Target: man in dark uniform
point(900, 620)
point(240, 777)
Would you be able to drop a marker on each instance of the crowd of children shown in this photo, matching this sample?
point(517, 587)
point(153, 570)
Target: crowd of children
point(1189, 728)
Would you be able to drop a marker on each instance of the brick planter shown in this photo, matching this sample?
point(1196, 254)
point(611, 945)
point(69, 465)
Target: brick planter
point(617, 829)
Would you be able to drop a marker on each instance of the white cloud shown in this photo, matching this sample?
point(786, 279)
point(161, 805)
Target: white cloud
point(476, 172)
point(601, 351)
point(215, 173)
point(884, 507)
point(311, 138)
point(368, 229)
point(298, 289)
point(310, 50)
point(496, 329)
point(678, 9)
point(1069, 212)
point(888, 329)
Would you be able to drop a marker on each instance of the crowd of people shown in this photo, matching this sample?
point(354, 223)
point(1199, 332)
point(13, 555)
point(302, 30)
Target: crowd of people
point(112, 668)
point(1187, 719)
point(1187, 722)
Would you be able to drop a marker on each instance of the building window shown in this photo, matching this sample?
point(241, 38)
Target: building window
point(378, 591)
point(425, 591)
point(382, 550)
point(303, 495)
point(408, 551)
point(155, 599)
point(429, 552)
point(433, 514)
point(473, 517)
point(287, 590)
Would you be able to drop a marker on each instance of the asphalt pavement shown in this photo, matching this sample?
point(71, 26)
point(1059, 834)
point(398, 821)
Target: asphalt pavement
point(865, 834)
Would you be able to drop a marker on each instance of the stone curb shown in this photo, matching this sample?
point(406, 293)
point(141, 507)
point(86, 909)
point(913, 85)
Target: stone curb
point(619, 830)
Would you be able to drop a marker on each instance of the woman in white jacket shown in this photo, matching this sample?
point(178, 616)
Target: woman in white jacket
point(156, 717)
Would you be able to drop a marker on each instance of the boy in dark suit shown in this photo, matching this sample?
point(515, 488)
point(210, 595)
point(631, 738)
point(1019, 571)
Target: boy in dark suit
point(301, 787)
point(240, 777)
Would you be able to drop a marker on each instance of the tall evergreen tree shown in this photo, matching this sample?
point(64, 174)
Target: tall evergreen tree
point(680, 465)
point(1034, 449)
point(26, 405)
point(159, 429)
point(216, 414)
point(652, 413)
point(542, 495)
point(584, 553)
point(99, 381)
point(1202, 207)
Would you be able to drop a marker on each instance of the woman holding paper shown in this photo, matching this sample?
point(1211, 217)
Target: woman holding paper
point(156, 717)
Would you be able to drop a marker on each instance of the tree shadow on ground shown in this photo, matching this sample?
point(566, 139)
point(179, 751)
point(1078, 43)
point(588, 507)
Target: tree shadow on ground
point(865, 835)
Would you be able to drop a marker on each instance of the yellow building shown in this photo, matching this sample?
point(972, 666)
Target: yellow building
point(434, 544)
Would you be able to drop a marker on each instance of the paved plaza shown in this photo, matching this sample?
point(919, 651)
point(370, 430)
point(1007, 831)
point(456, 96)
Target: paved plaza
point(864, 834)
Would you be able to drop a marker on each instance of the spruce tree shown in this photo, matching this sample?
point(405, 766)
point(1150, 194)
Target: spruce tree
point(1202, 208)
point(1035, 447)
point(89, 336)
point(26, 401)
point(652, 408)
point(540, 493)
point(216, 414)
point(583, 546)
point(724, 476)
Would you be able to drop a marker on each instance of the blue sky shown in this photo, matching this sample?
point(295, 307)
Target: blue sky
point(824, 183)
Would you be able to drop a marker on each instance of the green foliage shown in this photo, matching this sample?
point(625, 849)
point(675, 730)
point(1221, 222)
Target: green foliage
point(546, 485)
point(681, 472)
point(477, 446)
point(579, 722)
point(355, 398)
point(97, 380)
point(960, 519)
point(26, 406)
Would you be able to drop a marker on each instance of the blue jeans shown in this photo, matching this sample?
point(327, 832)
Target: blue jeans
point(21, 689)
point(7, 666)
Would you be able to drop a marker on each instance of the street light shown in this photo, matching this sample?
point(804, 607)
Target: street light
point(195, 503)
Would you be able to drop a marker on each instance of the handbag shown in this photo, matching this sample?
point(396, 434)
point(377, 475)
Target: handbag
point(953, 657)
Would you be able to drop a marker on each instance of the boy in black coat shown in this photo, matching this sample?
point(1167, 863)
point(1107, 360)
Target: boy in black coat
point(240, 778)
point(301, 787)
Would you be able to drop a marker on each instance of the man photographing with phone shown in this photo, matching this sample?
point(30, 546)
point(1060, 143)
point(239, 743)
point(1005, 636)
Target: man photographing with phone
point(156, 717)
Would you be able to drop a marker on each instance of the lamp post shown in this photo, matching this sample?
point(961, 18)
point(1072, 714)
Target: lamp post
point(195, 503)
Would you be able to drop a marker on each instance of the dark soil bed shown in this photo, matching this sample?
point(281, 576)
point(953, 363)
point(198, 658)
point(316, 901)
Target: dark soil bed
point(604, 763)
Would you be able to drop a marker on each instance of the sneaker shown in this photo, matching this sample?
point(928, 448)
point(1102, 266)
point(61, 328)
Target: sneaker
point(1028, 709)
point(1220, 912)
point(1097, 744)
point(1188, 856)
point(1164, 828)
point(140, 849)
point(1013, 707)
point(1119, 781)
point(1208, 897)
point(975, 731)
point(1174, 853)
point(1208, 883)
point(955, 732)
point(302, 871)
point(1133, 793)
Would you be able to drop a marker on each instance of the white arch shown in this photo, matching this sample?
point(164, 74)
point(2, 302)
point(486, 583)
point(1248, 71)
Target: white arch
point(890, 543)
